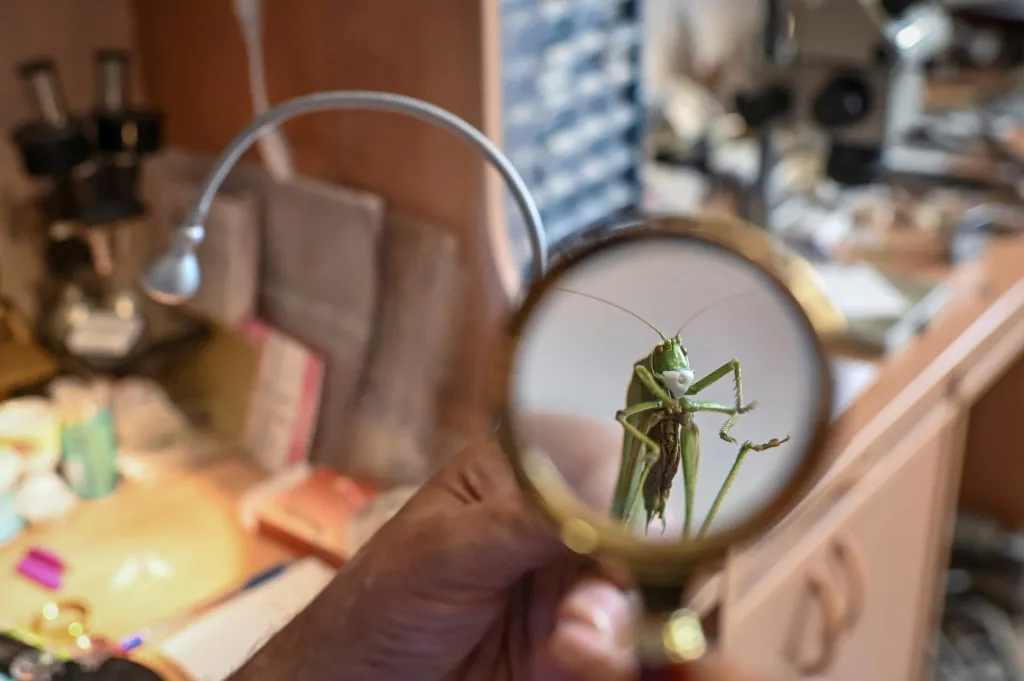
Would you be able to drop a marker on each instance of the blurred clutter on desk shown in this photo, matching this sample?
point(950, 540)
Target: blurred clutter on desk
point(165, 471)
point(885, 173)
point(882, 141)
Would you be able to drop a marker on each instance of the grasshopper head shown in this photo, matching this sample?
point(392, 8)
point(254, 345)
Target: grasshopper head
point(670, 363)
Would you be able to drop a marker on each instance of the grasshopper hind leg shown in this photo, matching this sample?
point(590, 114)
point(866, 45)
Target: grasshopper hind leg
point(745, 449)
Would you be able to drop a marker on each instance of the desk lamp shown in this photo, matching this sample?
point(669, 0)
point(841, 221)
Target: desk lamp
point(175, 276)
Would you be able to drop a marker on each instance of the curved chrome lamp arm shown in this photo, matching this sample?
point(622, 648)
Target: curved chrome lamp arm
point(174, 277)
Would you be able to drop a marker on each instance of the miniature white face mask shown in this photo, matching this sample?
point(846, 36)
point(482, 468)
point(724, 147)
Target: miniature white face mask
point(677, 382)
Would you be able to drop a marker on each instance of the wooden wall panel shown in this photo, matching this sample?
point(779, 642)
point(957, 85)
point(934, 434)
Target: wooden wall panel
point(194, 65)
point(69, 32)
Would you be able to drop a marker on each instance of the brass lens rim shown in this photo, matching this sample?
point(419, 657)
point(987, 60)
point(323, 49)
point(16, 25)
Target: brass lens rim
point(53, 621)
point(671, 563)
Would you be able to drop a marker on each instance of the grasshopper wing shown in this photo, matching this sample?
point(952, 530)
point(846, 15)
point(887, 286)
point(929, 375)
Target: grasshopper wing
point(631, 469)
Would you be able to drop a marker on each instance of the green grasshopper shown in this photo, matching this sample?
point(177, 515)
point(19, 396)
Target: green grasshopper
point(660, 432)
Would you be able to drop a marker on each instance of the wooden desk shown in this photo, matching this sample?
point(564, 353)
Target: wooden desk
point(149, 551)
point(850, 585)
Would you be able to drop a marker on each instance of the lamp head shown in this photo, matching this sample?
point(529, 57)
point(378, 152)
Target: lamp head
point(174, 277)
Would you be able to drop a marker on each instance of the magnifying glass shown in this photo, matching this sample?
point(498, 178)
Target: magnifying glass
point(693, 349)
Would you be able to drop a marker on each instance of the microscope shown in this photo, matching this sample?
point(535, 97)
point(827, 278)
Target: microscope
point(93, 315)
point(856, 71)
point(860, 75)
point(816, 76)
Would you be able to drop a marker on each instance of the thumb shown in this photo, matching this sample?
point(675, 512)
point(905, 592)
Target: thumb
point(593, 637)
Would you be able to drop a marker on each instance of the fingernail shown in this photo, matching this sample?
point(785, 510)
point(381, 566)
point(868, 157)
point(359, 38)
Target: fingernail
point(600, 608)
point(595, 623)
point(584, 642)
point(593, 634)
point(575, 644)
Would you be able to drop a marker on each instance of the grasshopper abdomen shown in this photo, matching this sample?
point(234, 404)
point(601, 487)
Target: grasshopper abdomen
point(658, 483)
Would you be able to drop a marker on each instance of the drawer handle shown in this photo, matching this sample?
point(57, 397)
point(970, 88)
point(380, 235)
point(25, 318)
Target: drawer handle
point(853, 568)
point(832, 611)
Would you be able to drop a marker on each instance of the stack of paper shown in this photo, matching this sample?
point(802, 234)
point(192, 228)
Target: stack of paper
point(221, 641)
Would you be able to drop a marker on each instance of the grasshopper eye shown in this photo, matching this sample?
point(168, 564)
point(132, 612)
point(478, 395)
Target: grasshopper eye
point(659, 349)
point(683, 348)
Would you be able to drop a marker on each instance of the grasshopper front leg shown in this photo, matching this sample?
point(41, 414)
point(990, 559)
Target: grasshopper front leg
point(733, 367)
point(649, 382)
point(733, 412)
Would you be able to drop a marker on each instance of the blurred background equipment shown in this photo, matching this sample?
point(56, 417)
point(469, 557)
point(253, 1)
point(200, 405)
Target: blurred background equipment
point(92, 215)
point(573, 114)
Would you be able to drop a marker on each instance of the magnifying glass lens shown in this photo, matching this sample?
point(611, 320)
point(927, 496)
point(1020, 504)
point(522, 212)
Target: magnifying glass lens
point(665, 392)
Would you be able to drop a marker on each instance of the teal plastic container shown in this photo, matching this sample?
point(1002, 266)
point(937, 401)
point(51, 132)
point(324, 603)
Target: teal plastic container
point(88, 440)
point(89, 448)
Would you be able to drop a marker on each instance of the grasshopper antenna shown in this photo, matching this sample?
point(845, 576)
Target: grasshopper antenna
point(617, 307)
point(710, 305)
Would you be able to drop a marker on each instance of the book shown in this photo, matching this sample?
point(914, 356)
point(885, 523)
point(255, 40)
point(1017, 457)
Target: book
point(314, 516)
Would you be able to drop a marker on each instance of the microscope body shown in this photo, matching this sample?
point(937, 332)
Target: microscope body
point(859, 75)
point(834, 75)
point(842, 85)
point(89, 207)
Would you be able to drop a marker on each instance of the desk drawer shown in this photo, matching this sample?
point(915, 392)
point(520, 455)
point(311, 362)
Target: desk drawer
point(989, 360)
point(849, 601)
point(975, 372)
point(747, 567)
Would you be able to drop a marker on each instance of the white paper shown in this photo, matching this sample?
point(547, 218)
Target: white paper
point(861, 292)
point(221, 641)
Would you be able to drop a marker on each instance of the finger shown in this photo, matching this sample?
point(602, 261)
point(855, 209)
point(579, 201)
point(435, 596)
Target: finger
point(593, 634)
point(586, 453)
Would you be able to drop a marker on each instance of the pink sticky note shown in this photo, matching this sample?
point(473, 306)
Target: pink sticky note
point(42, 567)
